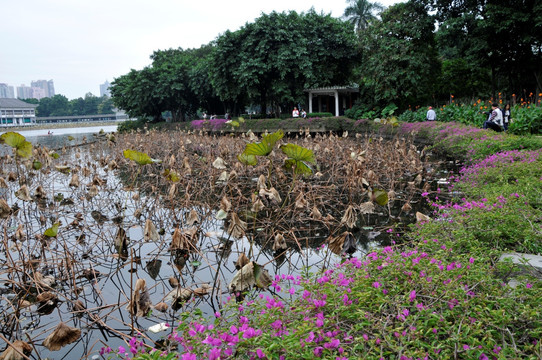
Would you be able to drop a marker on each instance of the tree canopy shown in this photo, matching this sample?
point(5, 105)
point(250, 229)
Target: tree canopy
point(415, 53)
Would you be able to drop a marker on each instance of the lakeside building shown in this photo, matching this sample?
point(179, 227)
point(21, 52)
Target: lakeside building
point(14, 112)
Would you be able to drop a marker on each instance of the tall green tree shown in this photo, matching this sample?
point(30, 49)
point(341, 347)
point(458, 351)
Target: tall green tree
point(500, 37)
point(361, 13)
point(271, 60)
point(400, 62)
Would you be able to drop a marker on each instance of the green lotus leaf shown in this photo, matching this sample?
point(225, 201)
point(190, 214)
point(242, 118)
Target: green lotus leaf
point(52, 231)
point(380, 196)
point(54, 155)
point(234, 123)
point(70, 138)
point(299, 167)
point(18, 142)
point(298, 153)
point(36, 165)
point(264, 147)
point(247, 159)
point(172, 175)
point(139, 157)
point(12, 139)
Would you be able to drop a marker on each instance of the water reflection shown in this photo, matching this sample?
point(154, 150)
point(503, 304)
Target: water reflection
point(55, 138)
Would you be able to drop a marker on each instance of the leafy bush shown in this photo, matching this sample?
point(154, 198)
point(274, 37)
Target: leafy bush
point(131, 125)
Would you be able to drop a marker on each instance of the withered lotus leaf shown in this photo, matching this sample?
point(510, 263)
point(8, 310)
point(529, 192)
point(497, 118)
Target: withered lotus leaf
point(5, 210)
point(367, 208)
point(241, 261)
point(173, 282)
point(74, 181)
point(261, 182)
point(224, 177)
point(193, 217)
point(12, 177)
point(237, 227)
point(121, 243)
point(140, 302)
point(23, 193)
point(202, 290)
point(172, 191)
point(406, 207)
point(349, 218)
point(225, 204)
point(40, 192)
point(62, 336)
point(183, 239)
point(3, 183)
point(161, 306)
point(342, 244)
point(93, 191)
point(150, 232)
point(219, 163)
point(250, 275)
point(315, 214)
point(421, 217)
point(279, 243)
point(272, 194)
point(300, 202)
point(16, 350)
point(257, 206)
point(20, 234)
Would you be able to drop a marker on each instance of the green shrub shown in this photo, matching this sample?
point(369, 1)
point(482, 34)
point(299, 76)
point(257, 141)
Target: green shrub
point(131, 125)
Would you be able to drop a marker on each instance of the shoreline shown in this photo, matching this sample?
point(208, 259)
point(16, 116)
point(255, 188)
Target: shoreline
point(60, 125)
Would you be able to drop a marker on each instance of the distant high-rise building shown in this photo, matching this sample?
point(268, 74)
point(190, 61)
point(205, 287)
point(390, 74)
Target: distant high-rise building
point(104, 89)
point(51, 88)
point(24, 92)
point(6, 91)
point(38, 93)
point(47, 86)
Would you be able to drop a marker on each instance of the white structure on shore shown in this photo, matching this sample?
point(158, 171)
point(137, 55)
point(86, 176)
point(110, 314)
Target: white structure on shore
point(14, 112)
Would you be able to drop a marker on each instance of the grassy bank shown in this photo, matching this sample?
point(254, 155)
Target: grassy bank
point(439, 292)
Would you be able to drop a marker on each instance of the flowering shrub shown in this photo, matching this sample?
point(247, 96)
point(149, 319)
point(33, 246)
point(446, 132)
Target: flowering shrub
point(211, 125)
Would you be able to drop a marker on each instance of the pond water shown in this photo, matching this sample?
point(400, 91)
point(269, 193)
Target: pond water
point(55, 138)
point(93, 278)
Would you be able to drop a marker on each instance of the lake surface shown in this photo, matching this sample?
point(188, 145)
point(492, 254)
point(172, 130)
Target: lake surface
point(59, 136)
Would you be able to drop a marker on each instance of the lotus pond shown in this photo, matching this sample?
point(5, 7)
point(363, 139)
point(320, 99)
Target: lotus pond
point(117, 237)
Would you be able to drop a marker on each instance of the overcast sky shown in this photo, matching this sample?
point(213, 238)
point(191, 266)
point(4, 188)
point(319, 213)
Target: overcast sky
point(80, 44)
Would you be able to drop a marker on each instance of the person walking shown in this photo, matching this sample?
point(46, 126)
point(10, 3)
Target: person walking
point(431, 114)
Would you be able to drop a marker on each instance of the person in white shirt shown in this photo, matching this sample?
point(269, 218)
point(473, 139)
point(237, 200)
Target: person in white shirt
point(295, 113)
point(494, 122)
point(431, 114)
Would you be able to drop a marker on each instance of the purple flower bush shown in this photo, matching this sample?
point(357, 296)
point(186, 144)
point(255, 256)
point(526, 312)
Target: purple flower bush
point(209, 125)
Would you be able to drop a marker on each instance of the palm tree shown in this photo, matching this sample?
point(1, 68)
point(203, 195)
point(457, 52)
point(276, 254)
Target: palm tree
point(360, 12)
